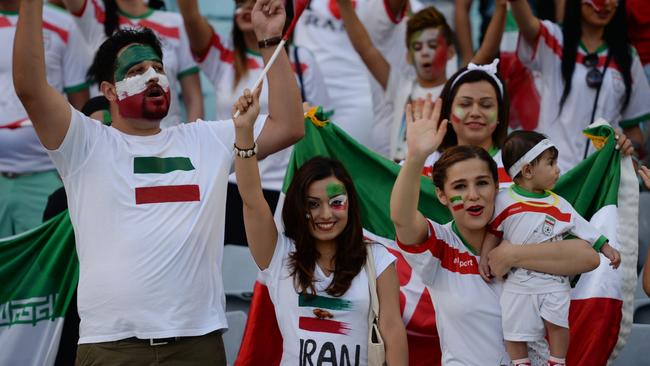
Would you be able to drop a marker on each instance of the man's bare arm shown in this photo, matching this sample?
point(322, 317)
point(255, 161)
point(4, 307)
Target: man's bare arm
point(48, 110)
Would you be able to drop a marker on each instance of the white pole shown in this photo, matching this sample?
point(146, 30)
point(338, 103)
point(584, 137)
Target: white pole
point(266, 69)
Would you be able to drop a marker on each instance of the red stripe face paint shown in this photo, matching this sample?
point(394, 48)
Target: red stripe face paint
point(144, 96)
point(428, 52)
point(457, 203)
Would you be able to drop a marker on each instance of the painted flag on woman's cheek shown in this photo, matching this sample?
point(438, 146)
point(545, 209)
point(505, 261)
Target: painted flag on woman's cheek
point(601, 188)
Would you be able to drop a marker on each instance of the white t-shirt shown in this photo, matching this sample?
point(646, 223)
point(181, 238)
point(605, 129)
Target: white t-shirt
point(524, 217)
point(388, 33)
point(169, 28)
point(341, 339)
point(217, 65)
point(320, 29)
point(468, 314)
point(148, 216)
point(504, 179)
point(67, 58)
point(565, 127)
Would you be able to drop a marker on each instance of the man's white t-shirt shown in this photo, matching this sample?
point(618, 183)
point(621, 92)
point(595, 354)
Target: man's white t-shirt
point(468, 314)
point(67, 58)
point(307, 339)
point(217, 64)
point(565, 127)
point(524, 217)
point(320, 30)
point(148, 217)
point(168, 26)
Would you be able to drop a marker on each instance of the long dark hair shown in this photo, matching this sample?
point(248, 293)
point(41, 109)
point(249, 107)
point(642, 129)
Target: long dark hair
point(350, 246)
point(449, 93)
point(111, 23)
point(615, 37)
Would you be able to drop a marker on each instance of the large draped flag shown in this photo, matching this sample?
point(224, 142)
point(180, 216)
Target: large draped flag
point(38, 275)
point(39, 269)
point(603, 189)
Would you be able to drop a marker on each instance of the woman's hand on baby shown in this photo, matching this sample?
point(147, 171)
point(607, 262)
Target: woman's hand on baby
point(424, 130)
point(612, 254)
point(500, 259)
point(484, 269)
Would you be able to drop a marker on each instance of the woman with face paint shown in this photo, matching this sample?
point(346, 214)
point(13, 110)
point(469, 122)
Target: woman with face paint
point(420, 69)
point(314, 270)
point(446, 256)
point(475, 100)
point(98, 19)
point(589, 71)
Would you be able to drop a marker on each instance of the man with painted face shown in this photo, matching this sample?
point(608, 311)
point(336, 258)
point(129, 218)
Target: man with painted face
point(423, 70)
point(147, 204)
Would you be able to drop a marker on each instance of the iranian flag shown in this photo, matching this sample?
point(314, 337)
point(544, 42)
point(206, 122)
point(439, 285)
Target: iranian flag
point(38, 273)
point(603, 189)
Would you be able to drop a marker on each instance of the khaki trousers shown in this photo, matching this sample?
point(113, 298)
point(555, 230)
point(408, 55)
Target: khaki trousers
point(203, 350)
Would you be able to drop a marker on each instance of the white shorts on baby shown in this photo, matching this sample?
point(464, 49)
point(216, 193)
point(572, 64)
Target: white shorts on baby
point(521, 314)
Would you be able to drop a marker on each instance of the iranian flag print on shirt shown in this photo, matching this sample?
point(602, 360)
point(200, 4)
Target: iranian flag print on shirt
point(164, 193)
point(321, 329)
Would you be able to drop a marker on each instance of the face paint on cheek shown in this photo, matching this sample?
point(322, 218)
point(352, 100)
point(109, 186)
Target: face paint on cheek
point(596, 4)
point(491, 117)
point(458, 115)
point(457, 203)
point(440, 58)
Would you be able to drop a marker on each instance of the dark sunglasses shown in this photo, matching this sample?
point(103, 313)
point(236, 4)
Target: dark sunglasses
point(594, 76)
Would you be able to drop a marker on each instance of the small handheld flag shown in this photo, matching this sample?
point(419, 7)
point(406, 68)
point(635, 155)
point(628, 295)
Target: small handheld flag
point(299, 8)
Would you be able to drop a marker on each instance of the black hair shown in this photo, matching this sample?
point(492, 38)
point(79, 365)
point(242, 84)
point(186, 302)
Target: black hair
point(94, 104)
point(449, 93)
point(111, 10)
point(517, 144)
point(456, 154)
point(103, 66)
point(615, 36)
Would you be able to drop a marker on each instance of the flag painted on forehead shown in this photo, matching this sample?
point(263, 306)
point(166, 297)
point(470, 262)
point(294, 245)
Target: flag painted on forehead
point(131, 56)
point(599, 189)
point(164, 193)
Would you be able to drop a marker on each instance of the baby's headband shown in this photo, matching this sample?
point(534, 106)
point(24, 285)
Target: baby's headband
point(531, 155)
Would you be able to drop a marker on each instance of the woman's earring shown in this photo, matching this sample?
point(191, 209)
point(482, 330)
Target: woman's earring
point(307, 216)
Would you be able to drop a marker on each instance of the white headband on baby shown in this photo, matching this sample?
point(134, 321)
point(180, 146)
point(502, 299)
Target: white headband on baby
point(533, 153)
point(490, 69)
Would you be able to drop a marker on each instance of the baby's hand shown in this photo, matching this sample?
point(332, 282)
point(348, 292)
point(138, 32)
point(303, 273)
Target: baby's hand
point(612, 254)
point(484, 269)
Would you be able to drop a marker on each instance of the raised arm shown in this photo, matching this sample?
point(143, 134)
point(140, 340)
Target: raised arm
point(527, 22)
point(463, 30)
point(199, 31)
point(192, 96)
point(371, 56)
point(258, 219)
point(563, 258)
point(285, 124)
point(423, 136)
point(48, 110)
point(492, 40)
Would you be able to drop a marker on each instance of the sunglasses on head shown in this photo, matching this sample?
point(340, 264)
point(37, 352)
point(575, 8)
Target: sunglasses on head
point(594, 78)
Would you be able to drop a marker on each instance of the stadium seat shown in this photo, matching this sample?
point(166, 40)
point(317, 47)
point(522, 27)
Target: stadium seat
point(639, 294)
point(642, 311)
point(635, 352)
point(233, 336)
point(239, 271)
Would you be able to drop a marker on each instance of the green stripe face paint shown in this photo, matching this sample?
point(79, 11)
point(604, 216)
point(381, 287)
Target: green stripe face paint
point(133, 55)
point(457, 203)
point(335, 189)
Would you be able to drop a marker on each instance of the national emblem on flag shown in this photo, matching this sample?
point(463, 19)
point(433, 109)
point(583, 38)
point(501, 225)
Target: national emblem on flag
point(549, 224)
